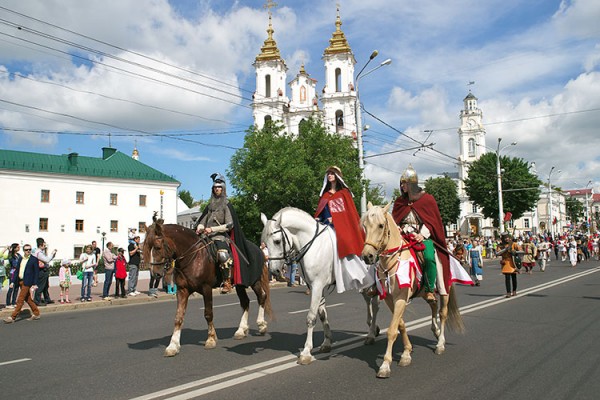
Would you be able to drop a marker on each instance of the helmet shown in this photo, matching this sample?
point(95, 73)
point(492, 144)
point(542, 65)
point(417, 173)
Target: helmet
point(409, 175)
point(218, 180)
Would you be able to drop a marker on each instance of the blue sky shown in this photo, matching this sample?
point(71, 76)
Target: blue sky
point(535, 65)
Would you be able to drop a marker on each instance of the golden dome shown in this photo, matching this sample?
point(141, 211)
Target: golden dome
point(338, 43)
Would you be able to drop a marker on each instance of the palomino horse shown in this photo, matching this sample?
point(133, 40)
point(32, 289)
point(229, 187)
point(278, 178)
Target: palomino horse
point(293, 235)
point(194, 269)
point(398, 277)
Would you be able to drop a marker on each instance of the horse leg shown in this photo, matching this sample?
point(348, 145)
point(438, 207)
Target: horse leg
point(441, 344)
point(243, 328)
point(392, 334)
point(182, 302)
point(316, 298)
point(405, 358)
point(326, 345)
point(211, 340)
point(372, 310)
point(435, 327)
point(261, 297)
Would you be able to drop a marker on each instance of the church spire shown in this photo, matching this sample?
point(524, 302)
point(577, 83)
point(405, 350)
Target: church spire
point(338, 42)
point(269, 50)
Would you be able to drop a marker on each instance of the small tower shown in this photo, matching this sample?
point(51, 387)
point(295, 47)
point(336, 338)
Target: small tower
point(304, 103)
point(135, 154)
point(270, 98)
point(339, 97)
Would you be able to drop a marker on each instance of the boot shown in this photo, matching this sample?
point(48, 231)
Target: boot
point(226, 288)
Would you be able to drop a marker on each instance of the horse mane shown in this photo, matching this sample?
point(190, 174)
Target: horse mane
point(152, 232)
point(278, 216)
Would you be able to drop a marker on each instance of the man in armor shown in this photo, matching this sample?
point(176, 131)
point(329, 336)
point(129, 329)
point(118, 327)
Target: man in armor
point(418, 217)
point(217, 222)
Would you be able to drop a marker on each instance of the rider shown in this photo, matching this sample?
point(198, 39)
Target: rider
point(217, 222)
point(418, 216)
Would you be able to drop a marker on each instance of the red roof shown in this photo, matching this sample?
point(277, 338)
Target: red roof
point(579, 192)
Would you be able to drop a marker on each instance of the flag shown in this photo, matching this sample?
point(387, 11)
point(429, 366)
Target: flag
point(554, 221)
point(507, 216)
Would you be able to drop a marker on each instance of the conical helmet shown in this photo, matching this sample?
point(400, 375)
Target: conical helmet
point(409, 175)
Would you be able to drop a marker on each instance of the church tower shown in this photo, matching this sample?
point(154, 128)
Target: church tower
point(304, 103)
point(339, 97)
point(269, 100)
point(471, 136)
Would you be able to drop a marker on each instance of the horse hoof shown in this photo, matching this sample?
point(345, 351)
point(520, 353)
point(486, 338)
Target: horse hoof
point(369, 341)
point(210, 344)
point(383, 373)
point(440, 350)
point(305, 360)
point(240, 334)
point(404, 361)
point(171, 352)
point(262, 329)
point(326, 348)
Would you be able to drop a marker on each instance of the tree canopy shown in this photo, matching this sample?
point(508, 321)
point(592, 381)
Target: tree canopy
point(445, 192)
point(574, 210)
point(274, 170)
point(520, 188)
point(186, 197)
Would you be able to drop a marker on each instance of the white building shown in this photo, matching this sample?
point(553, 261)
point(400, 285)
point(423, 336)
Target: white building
point(71, 200)
point(271, 102)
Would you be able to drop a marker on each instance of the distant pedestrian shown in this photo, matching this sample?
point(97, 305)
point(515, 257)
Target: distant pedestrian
point(64, 281)
point(120, 273)
point(26, 277)
point(88, 264)
point(530, 255)
point(41, 254)
point(476, 262)
point(13, 264)
point(573, 252)
point(109, 270)
point(507, 250)
point(96, 250)
point(134, 266)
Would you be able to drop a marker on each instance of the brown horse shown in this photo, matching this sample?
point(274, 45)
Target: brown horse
point(174, 249)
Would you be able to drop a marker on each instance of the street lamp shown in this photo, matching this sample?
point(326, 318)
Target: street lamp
point(499, 174)
point(359, 129)
point(551, 220)
point(587, 209)
point(103, 238)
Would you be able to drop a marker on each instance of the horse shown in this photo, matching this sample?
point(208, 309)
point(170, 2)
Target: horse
point(398, 281)
point(174, 249)
point(293, 235)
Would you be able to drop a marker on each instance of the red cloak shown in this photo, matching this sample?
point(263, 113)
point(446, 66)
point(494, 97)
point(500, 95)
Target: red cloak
point(350, 237)
point(428, 213)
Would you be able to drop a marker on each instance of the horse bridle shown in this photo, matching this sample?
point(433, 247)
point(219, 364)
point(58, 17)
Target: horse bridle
point(380, 244)
point(294, 256)
point(169, 262)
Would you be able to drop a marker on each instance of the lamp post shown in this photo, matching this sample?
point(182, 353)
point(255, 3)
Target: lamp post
point(499, 175)
point(359, 139)
point(103, 238)
point(551, 220)
point(587, 209)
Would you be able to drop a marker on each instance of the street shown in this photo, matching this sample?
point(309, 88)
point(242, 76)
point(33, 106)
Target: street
point(542, 344)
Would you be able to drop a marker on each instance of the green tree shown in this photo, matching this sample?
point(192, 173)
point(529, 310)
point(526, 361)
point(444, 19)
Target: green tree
point(186, 197)
point(520, 188)
point(574, 210)
point(445, 192)
point(274, 170)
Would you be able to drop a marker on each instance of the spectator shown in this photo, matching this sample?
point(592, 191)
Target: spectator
point(476, 262)
point(13, 263)
point(26, 277)
point(88, 264)
point(109, 270)
point(44, 274)
point(293, 271)
point(3, 263)
point(97, 252)
point(131, 235)
point(64, 280)
point(134, 266)
point(120, 273)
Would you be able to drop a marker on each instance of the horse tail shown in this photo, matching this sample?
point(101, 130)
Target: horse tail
point(264, 285)
point(454, 321)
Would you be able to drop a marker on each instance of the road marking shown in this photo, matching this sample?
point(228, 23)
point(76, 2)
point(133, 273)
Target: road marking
point(307, 309)
point(15, 361)
point(249, 373)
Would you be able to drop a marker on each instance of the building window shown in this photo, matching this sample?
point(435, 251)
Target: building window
point(114, 226)
point(471, 145)
point(78, 225)
point(79, 198)
point(338, 80)
point(113, 199)
point(77, 250)
point(339, 121)
point(526, 223)
point(142, 227)
point(302, 94)
point(511, 224)
point(268, 119)
point(43, 224)
point(45, 196)
point(268, 86)
point(142, 200)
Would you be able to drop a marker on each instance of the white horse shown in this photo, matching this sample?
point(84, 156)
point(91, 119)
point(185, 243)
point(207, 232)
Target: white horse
point(292, 234)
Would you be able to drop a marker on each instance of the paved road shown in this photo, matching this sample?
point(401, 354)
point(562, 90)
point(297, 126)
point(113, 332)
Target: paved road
point(542, 344)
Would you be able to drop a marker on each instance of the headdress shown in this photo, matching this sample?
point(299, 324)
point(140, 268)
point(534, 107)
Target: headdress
point(338, 175)
point(218, 180)
point(409, 175)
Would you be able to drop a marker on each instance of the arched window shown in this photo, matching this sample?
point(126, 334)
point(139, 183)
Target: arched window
point(268, 119)
point(301, 125)
point(338, 80)
point(303, 94)
point(471, 146)
point(339, 121)
point(268, 86)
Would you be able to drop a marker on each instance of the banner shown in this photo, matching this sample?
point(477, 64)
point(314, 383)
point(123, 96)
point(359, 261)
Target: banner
point(507, 216)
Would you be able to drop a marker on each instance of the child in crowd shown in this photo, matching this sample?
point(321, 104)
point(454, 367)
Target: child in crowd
point(131, 235)
point(64, 279)
point(120, 273)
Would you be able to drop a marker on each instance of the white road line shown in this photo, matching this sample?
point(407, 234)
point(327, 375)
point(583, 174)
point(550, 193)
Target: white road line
point(306, 310)
point(15, 361)
point(250, 373)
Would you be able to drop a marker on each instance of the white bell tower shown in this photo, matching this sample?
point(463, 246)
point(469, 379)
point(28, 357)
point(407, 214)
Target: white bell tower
point(339, 96)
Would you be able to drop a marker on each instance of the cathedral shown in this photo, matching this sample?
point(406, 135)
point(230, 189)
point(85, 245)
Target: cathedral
point(335, 106)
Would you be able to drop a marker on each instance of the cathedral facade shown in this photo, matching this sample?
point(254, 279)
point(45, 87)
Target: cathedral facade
point(336, 104)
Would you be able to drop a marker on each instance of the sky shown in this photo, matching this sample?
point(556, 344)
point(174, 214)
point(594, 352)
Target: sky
point(175, 79)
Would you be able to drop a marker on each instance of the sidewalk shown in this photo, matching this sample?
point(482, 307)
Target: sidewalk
point(76, 304)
